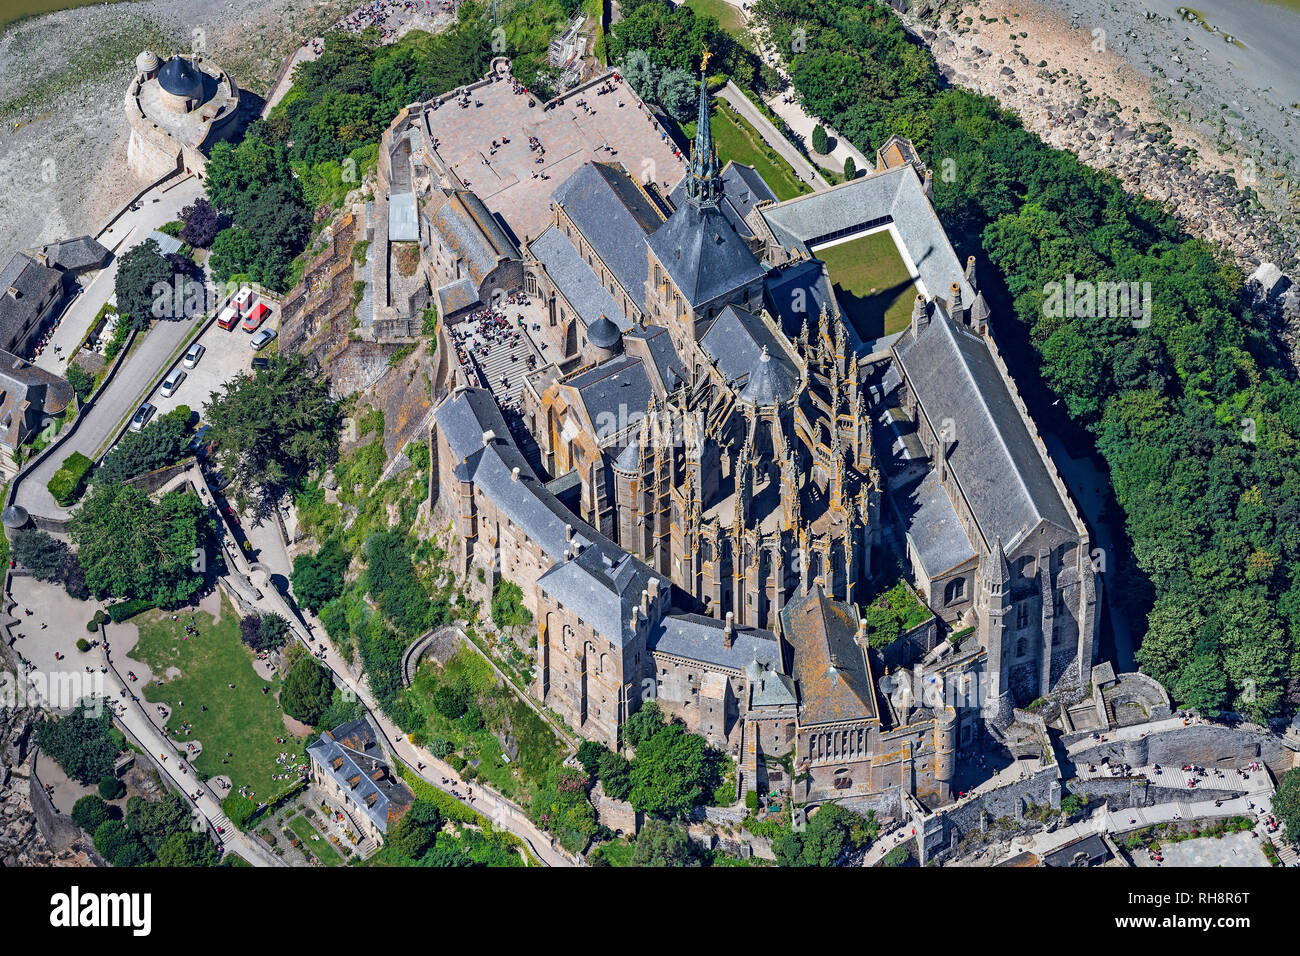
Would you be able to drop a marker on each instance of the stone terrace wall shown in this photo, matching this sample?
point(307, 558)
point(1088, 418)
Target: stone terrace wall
point(1206, 745)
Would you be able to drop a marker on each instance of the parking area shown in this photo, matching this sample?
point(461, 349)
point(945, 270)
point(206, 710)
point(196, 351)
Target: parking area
point(227, 354)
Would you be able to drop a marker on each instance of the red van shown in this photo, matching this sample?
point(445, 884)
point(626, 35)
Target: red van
point(255, 317)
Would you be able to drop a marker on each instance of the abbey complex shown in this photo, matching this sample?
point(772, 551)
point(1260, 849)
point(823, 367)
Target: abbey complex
point(729, 452)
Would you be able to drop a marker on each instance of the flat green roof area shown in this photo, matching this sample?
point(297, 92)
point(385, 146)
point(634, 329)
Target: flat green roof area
point(872, 284)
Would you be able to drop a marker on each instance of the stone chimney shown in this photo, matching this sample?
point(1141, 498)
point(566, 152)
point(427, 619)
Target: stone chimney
point(568, 532)
point(514, 473)
point(489, 436)
point(729, 630)
point(920, 316)
point(955, 298)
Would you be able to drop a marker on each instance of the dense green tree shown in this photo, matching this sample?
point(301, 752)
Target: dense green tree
point(188, 849)
point(89, 812)
point(270, 429)
point(164, 441)
point(307, 692)
point(642, 725)
point(132, 547)
point(143, 285)
point(318, 578)
point(662, 843)
point(674, 772)
point(85, 745)
point(615, 774)
point(40, 553)
point(1286, 803)
point(677, 92)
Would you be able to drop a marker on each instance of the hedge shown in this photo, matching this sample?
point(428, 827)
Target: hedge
point(121, 611)
point(70, 480)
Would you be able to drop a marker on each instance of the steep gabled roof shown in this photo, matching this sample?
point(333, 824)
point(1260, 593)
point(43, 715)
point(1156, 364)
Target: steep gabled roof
point(829, 666)
point(703, 254)
point(614, 217)
point(996, 461)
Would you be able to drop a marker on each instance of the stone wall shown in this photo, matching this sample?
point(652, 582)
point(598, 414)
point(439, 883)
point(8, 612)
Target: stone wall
point(1206, 745)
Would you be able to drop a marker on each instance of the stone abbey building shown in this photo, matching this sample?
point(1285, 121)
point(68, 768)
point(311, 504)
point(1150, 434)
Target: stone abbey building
point(744, 467)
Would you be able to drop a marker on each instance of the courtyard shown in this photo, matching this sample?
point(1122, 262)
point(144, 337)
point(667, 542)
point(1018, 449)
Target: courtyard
point(873, 285)
point(582, 126)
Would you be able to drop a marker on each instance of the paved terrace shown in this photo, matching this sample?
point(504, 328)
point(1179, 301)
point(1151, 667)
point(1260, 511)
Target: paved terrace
point(570, 134)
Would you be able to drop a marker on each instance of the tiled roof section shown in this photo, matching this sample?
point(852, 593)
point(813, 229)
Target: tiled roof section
point(351, 756)
point(35, 284)
point(828, 664)
point(735, 341)
point(742, 189)
point(614, 217)
point(472, 233)
point(698, 637)
point(76, 255)
point(802, 289)
point(602, 585)
point(892, 195)
point(668, 366)
point(614, 393)
point(772, 689)
point(457, 296)
point(997, 463)
point(703, 254)
point(932, 525)
point(575, 279)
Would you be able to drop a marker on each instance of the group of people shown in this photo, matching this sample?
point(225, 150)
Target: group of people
point(384, 15)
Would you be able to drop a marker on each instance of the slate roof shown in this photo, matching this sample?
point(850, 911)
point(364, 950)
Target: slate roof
point(603, 333)
point(932, 525)
point(35, 284)
point(472, 233)
point(403, 224)
point(698, 637)
point(703, 254)
point(180, 77)
point(735, 341)
point(668, 366)
point(892, 195)
point(614, 216)
point(997, 463)
point(829, 666)
point(75, 255)
point(27, 395)
point(575, 279)
point(743, 188)
point(770, 383)
point(614, 393)
point(350, 755)
point(457, 296)
point(799, 289)
point(601, 585)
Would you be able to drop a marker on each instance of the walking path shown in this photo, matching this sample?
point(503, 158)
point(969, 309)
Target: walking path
point(772, 136)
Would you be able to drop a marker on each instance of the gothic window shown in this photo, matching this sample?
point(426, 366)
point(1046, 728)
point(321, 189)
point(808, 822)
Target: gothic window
point(1022, 614)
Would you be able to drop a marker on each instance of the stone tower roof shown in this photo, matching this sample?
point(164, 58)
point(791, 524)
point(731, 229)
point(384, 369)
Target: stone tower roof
point(180, 77)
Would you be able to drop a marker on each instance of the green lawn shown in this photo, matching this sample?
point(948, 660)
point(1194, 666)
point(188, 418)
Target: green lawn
point(737, 140)
point(243, 721)
point(728, 17)
point(322, 849)
point(871, 283)
point(616, 852)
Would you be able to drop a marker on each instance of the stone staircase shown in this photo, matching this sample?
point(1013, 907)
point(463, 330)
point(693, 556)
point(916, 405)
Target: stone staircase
point(510, 361)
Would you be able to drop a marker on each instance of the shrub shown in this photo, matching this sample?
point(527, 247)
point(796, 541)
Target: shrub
point(82, 382)
point(850, 168)
point(119, 612)
point(70, 480)
point(239, 809)
point(83, 645)
point(751, 799)
point(110, 788)
point(820, 141)
point(90, 812)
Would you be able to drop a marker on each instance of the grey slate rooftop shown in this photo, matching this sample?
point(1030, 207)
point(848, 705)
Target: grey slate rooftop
point(997, 463)
point(698, 637)
point(742, 189)
point(575, 279)
point(705, 256)
point(76, 255)
point(615, 394)
point(34, 284)
point(735, 341)
point(932, 526)
point(351, 756)
point(614, 216)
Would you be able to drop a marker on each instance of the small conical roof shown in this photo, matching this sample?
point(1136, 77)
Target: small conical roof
point(603, 333)
point(179, 77)
point(15, 516)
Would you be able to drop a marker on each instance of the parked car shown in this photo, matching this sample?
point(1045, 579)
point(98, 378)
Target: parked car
point(261, 364)
point(261, 339)
point(172, 382)
point(256, 315)
point(192, 357)
point(142, 416)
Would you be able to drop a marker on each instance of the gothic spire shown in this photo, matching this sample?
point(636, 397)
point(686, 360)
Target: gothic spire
point(705, 185)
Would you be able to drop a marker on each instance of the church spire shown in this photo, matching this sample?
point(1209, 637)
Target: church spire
point(705, 185)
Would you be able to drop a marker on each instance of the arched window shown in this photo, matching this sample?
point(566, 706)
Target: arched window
point(954, 591)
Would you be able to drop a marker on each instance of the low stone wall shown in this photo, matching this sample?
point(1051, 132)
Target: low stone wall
point(1206, 745)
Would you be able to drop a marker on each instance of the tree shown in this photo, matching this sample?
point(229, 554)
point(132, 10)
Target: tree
point(615, 774)
point(201, 223)
point(821, 143)
point(144, 281)
point(677, 94)
point(131, 547)
point(830, 832)
point(164, 441)
point(82, 382)
point(850, 168)
point(89, 812)
point(415, 831)
point(318, 578)
point(152, 821)
point(270, 429)
point(85, 746)
point(263, 632)
point(1286, 803)
point(188, 849)
point(110, 788)
point(674, 772)
point(643, 724)
point(589, 754)
point(641, 74)
point(661, 843)
point(508, 605)
point(41, 554)
point(307, 691)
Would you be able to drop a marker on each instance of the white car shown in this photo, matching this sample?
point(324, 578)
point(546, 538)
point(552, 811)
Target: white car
point(192, 357)
point(142, 415)
point(260, 340)
point(171, 383)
